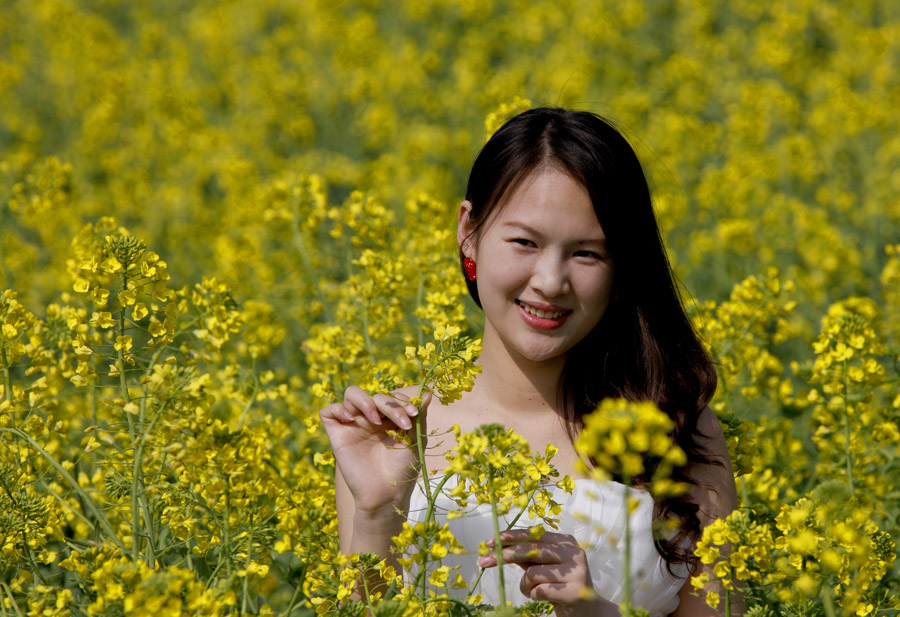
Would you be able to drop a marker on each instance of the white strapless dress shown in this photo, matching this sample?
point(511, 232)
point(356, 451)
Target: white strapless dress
point(595, 515)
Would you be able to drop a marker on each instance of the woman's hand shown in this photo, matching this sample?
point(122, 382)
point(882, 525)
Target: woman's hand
point(556, 571)
point(379, 471)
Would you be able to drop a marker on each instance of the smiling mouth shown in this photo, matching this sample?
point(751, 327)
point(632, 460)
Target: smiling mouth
point(541, 313)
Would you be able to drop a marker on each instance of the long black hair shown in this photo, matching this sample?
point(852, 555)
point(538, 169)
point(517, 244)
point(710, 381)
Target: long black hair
point(644, 348)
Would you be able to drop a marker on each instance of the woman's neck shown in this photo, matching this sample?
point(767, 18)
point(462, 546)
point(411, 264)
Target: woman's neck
point(515, 384)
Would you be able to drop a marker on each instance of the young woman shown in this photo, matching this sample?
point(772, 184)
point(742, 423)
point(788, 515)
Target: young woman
point(561, 250)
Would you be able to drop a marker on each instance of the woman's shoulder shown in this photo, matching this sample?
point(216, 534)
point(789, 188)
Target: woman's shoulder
point(710, 436)
point(714, 487)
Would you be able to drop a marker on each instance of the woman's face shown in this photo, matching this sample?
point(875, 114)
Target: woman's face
point(545, 276)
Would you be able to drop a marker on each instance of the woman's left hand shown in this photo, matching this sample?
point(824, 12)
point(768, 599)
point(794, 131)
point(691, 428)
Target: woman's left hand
point(556, 571)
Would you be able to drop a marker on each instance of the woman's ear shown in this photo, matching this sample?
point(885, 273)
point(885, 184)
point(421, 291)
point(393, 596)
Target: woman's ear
point(465, 228)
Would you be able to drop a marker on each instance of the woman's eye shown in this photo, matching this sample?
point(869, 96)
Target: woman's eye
point(523, 242)
point(589, 255)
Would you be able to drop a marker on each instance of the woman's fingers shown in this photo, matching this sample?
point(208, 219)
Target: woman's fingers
point(412, 409)
point(555, 567)
point(420, 409)
point(521, 548)
point(519, 536)
point(336, 411)
point(357, 399)
point(544, 580)
point(397, 408)
point(396, 411)
point(553, 592)
point(530, 553)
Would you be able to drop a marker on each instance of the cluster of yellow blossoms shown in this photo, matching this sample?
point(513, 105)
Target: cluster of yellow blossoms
point(817, 551)
point(494, 465)
point(619, 437)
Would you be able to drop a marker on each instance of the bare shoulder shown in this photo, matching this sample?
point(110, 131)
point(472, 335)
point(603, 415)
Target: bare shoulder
point(711, 436)
point(714, 490)
point(715, 493)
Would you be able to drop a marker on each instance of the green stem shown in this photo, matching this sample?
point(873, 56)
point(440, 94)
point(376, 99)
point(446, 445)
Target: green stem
point(252, 398)
point(4, 267)
point(88, 502)
point(300, 245)
point(828, 602)
point(367, 340)
point(123, 388)
point(227, 538)
point(498, 544)
point(430, 511)
point(429, 517)
point(93, 399)
point(512, 524)
point(299, 589)
point(138, 480)
point(420, 336)
point(728, 601)
point(364, 576)
point(848, 455)
point(426, 486)
point(190, 549)
point(12, 601)
point(249, 561)
point(627, 604)
point(290, 606)
point(7, 392)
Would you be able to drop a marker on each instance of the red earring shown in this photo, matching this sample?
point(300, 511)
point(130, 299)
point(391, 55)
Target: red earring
point(469, 267)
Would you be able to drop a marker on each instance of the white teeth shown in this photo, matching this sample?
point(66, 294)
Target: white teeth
point(540, 313)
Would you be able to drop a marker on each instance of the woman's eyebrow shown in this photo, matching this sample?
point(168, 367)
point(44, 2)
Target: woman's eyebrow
point(600, 240)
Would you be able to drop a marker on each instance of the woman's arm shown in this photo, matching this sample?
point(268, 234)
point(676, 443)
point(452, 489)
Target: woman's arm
point(374, 474)
point(716, 495)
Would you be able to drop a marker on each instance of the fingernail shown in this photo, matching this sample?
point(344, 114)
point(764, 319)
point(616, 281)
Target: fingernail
point(485, 561)
point(405, 423)
point(413, 410)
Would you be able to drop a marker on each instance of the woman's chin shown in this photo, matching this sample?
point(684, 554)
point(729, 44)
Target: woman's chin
point(542, 354)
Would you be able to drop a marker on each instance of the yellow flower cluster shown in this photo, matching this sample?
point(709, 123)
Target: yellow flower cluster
point(29, 522)
point(832, 545)
point(621, 437)
point(815, 549)
point(448, 368)
point(848, 408)
point(890, 284)
point(741, 550)
point(15, 323)
point(367, 328)
point(117, 585)
point(437, 539)
point(494, 465)
point(780, 466)
point(742, 334)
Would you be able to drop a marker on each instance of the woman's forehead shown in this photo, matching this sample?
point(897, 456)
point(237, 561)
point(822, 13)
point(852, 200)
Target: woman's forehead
point(546, 199)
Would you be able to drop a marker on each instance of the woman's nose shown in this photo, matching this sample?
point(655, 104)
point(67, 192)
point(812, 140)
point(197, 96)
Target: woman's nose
point(550, 278)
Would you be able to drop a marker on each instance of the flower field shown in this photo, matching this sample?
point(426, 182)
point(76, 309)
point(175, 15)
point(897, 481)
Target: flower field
point(214, 216)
